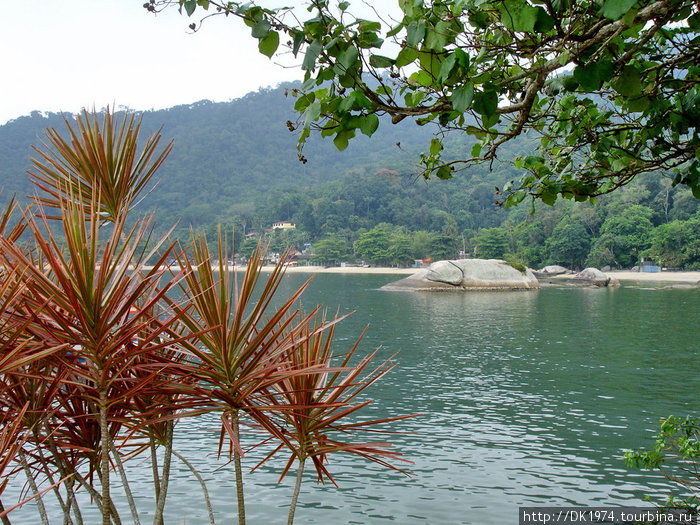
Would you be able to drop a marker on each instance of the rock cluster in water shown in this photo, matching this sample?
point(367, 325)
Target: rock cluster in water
point(468, 274)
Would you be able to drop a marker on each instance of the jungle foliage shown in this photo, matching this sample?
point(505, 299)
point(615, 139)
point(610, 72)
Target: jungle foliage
point(608, 89)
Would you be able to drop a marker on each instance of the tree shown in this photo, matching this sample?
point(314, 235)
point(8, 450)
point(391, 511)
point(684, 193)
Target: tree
point(623, 238)
point(400, 248)
point(610, 87)
point(373, 245)
point(491, 243)
point(569, 244)
point(331, 250)
point(677, 244)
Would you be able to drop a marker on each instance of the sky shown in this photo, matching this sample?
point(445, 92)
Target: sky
point(64, 55)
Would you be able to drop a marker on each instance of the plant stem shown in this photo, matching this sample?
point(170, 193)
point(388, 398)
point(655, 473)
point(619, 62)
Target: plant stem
point(125, 482)
point(65, 508)
point(240, 496)
point(5, 519)
point(73, 502)
point(154, 468)
point(167, 457)
point(70, 480)
point(96, 496)
point(33, 486)
point(207, 501)
point(295, 494)
point(106, 503)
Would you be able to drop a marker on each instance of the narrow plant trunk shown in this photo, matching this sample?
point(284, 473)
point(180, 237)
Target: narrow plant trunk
point(240, 496)
point(127, 487)
point(295, 494)
point(5, 520)
point(207, 500)
point(35, 489)
point(106, 503)
point(154, 468)
point(167, 457)
point(73, 502)
point(116, 520)
point(65, 507)
point(72, 505)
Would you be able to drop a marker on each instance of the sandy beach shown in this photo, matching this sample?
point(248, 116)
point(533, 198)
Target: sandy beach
point(670, 277)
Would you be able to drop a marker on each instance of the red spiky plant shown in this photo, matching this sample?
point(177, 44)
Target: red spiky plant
point(317, 408)
point(100, 362)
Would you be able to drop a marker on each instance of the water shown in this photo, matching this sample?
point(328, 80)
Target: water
point(526, 398)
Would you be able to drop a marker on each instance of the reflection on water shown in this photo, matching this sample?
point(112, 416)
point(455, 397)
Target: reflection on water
point(527, 398)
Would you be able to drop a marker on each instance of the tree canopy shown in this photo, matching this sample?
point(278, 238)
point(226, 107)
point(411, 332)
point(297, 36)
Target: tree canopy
point(608, 87)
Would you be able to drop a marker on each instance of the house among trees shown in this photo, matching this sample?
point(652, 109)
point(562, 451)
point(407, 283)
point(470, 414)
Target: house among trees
point(284, 225)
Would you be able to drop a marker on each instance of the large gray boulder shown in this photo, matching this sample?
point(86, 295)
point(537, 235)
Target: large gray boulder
point(468, 274)
point(554, 269)
point(594, 277)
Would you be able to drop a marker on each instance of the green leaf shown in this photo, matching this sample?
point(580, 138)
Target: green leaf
point(444, 172)
point(437, 37)
point(367, 26)
point(261, 29)
point(311, 55)
point(303, 102)
point(446, 67)
point(297, 42)
point(548, 196)
point(190, 6)
point(348, 57)
point(268, 45)
point(544, 22)
point(415, 33)
point(430, 62)
point(628, 83)
point(341, 141)
point(313, 113)
point(406, 56)
point(476, 150)
point(616, 9)
point(518, 15)
point(486, 103)
point(369, 124)
point(435, 146)
point(395, 31)
point(592, 76)
point(462, 97)
point(639, 104)
point(343, 5)
point(420, 78)
point(380, 61)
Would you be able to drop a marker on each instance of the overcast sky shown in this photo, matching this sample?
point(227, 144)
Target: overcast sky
point(63, 55)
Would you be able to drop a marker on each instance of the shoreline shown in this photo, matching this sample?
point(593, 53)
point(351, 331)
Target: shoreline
point(620, 275)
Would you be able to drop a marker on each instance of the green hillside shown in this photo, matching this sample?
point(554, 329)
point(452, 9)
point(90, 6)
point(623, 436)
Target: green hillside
point(236, 163)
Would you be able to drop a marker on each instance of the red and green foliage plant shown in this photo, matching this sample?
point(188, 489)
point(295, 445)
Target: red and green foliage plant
point(105, 345)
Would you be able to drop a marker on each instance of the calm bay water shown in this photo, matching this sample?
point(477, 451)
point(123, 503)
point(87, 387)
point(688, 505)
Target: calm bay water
point(527, 398)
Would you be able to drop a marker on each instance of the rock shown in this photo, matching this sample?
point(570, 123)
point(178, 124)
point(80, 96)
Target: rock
point(468, 274)
point(595, 277)
point(605, 269)
point(553, 269)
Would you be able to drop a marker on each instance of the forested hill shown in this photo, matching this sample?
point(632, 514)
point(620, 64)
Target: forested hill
point(236, 163)
point(225, 153)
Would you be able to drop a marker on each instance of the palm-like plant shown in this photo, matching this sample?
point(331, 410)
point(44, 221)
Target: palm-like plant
point(82, 296)
point(318, 404)
point(240, 351)
point(101, 154)
point(97, 362)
